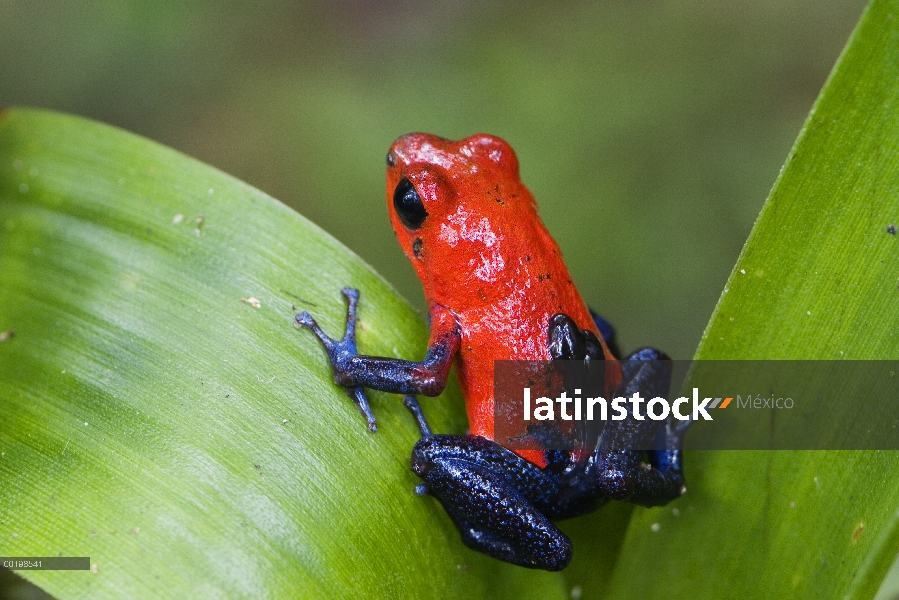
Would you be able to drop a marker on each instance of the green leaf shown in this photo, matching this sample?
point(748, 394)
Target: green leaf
point(187, 481)
point(191, 445)
point(817, 279)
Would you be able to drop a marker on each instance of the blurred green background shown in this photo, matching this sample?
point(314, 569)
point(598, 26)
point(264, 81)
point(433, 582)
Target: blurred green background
point(649, 131)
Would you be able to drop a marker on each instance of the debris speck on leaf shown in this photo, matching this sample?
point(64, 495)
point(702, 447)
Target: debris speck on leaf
point(7, 335)
point(252, 302)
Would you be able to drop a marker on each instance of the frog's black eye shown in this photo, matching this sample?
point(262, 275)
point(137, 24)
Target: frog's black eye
point(408, 205)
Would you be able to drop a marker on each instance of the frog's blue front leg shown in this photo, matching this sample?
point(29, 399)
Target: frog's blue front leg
point(344, 346)
point(618, 467)
point(354, 372)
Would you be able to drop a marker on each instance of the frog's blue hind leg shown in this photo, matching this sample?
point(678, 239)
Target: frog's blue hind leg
point(494, 518)
point(492, 495)
point(619, 469)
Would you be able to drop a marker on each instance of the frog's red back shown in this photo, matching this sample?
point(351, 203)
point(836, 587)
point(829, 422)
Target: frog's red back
point(483, 253)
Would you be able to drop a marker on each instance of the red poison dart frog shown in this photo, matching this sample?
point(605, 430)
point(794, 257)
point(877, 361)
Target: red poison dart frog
point(497, 289)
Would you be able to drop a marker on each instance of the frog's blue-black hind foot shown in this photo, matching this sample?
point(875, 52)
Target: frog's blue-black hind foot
point(619, 468)
point(341, 348)
point(496, 499)
point(667, 460)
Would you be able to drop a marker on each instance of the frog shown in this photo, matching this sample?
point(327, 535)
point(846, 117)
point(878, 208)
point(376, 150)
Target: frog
point(497, 289)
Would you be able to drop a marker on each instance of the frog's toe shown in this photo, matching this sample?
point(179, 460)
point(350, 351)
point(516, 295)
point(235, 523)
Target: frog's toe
point(304, 319)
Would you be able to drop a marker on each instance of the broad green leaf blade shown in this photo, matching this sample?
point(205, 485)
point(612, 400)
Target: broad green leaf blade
point(816, 280)
point(193, 445)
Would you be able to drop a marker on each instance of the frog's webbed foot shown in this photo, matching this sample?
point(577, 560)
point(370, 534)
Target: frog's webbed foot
point(341, 350)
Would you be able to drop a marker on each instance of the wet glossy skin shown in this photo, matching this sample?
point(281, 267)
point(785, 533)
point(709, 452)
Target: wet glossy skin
point(484, 254)
point(497, 289)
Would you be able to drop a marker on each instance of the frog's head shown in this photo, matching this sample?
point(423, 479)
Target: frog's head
point(459, 210)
